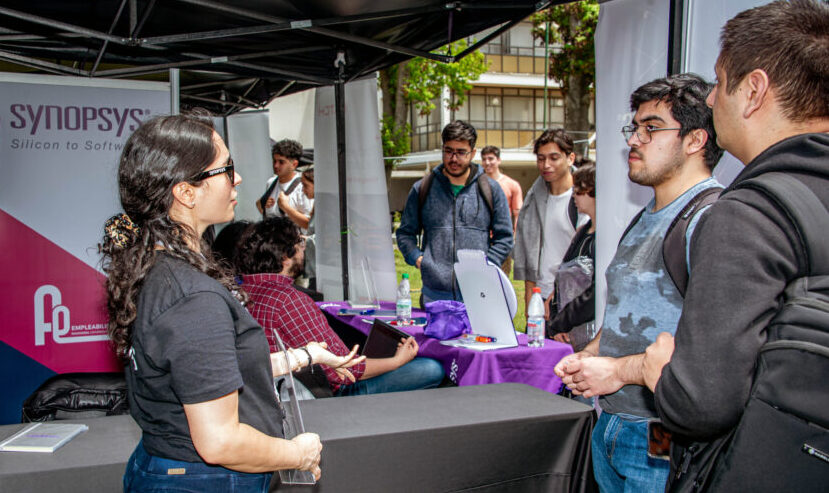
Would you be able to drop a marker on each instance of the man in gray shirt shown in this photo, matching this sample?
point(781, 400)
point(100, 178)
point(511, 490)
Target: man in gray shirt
point(673, 150)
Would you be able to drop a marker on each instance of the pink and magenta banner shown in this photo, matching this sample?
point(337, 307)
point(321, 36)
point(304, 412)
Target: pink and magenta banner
point(60, 140)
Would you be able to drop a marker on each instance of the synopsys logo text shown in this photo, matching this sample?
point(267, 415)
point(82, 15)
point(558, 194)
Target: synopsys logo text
point(55, 117)
point(60, 325)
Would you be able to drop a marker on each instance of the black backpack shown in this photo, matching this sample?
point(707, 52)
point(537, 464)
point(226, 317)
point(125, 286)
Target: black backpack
point(675, 243)
point(781, 442)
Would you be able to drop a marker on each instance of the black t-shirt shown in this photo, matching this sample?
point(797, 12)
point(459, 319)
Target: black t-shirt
point(194, 342)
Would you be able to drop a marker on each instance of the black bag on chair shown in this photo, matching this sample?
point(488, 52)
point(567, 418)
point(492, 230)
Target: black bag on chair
point(77, 396)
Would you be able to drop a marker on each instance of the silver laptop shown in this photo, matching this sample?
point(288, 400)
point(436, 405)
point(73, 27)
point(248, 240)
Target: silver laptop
point(486, 291)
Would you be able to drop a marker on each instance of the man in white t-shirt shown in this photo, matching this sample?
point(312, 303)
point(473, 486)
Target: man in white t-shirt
point(286, 181)
point(548, 219)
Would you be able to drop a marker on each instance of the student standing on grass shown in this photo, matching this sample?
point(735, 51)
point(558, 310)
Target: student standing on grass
point(548, 219)
point(455, 214)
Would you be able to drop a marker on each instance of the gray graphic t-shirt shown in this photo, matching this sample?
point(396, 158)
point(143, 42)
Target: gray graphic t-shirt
point(642, 300)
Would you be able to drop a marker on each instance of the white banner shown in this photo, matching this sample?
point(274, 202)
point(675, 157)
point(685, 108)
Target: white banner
point(704, 20)
point(369, 223)
point(631, 49)
point(250, 147)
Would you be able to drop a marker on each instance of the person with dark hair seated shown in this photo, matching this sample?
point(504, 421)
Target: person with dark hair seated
point(224, 246)
point(269, 259)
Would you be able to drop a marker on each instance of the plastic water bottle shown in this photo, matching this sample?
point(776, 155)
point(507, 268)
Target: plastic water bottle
point(535, 320)
point(404, 300)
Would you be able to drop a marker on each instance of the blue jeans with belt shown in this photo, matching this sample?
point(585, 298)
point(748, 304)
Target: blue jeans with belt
point(620, 456)
point(148, 473)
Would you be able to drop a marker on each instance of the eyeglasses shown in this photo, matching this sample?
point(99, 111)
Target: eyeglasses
point(228, 168)
point(643, 132)
point(459, 153)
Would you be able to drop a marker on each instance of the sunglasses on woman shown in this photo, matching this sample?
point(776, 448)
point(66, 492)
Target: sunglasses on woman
point(228, 168)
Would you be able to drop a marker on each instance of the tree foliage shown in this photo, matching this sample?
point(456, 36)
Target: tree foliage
point(573, 62)
point(428, 77)
point(421, 81)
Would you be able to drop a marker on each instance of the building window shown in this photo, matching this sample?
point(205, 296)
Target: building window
point(514, 51)
point(508, 117)
point(425, 128)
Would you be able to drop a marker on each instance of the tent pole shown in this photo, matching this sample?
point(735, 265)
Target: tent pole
point(676, 37)
point(175, 103)
point(339, 103)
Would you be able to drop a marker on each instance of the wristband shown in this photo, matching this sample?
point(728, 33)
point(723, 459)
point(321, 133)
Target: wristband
point(310, 360)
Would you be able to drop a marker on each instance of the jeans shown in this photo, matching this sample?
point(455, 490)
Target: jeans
point(419, 373)
point(148, 473)
point(620, 456)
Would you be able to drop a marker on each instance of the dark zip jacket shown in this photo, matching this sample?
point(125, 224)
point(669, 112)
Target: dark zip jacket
point(451, 223)
point(743, 254)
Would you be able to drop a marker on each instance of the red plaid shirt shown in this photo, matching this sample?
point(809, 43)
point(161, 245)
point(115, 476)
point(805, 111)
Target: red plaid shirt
point(277, 305)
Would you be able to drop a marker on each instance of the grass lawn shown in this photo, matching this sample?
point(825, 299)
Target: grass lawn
point(401, 266)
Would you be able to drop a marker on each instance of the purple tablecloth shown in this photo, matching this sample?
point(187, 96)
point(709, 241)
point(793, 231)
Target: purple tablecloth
point(522, 364)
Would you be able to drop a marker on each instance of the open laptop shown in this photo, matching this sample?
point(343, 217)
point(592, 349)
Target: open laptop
point(486, 292)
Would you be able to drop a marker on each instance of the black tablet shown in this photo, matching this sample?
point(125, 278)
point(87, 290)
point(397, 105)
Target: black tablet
point(383, 340)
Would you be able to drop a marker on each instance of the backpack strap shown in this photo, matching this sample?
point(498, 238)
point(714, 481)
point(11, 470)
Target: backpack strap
point(268, 192)
point(484, 187)
point(425, 185)
point(573, 212)
point(631, 224)
point(805, 211)
point(486, 191)
point(293, 186)
point(675, 243)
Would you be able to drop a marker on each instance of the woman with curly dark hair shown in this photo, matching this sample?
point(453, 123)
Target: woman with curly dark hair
point(197, 365)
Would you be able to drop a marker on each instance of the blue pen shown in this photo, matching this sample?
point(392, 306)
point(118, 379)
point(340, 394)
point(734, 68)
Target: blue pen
point(370, 311)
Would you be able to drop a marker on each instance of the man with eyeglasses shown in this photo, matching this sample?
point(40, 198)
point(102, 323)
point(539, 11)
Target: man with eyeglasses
point(456, 206)
point(548, 219)
point(285, 187)
point(751, 346)
point(672, 150)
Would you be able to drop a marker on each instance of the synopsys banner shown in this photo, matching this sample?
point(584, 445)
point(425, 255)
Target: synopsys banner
point(60, 140)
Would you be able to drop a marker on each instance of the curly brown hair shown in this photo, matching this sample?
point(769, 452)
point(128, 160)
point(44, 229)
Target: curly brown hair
point(162, 152)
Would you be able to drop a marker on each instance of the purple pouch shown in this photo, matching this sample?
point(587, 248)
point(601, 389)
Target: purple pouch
point(447, 319)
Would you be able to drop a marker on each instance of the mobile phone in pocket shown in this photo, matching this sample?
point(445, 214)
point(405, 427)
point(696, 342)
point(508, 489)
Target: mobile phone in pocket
point(659, 440)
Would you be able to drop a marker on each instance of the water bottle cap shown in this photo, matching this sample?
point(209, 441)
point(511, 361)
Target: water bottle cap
point(535, 290)
point(405, 275)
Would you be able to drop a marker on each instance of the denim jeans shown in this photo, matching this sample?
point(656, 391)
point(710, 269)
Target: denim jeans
point(148, 473)
point(620, 456)
point(419, 373)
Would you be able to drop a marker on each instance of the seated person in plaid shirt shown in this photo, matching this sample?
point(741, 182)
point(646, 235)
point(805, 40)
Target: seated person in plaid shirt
point(269, 257)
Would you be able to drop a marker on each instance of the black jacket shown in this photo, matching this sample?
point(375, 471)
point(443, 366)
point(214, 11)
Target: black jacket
point(582, 308)
point(743, 254)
